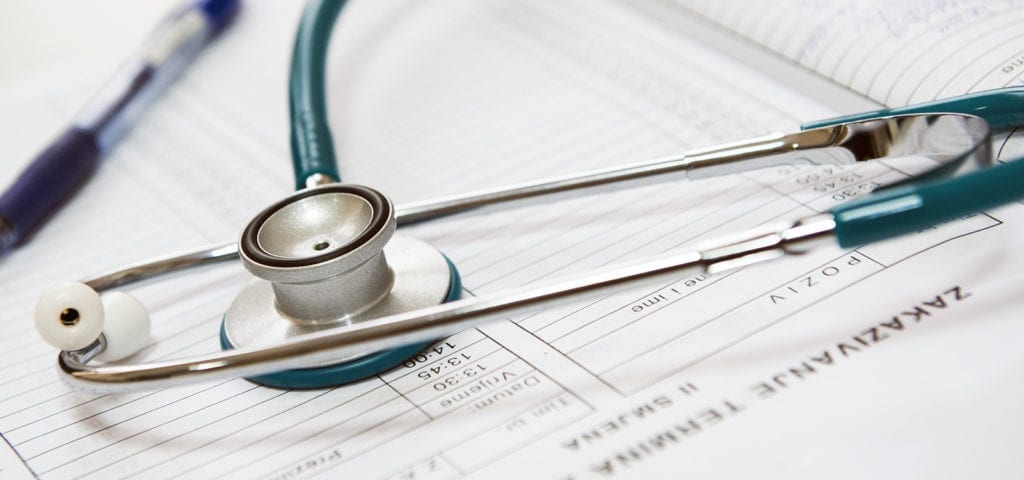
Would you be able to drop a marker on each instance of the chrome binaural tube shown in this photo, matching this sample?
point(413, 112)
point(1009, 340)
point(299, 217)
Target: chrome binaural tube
point(174, 263)
point(954, 137)
point(446, 319)
point(960, 140)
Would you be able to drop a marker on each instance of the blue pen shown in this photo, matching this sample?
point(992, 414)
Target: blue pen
point(55, 174)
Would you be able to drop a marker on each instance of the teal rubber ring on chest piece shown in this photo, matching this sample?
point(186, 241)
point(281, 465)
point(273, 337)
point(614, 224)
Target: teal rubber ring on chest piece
point(351, 371)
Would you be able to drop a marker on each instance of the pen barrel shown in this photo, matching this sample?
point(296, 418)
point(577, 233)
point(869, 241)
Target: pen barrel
point(136, 84)
point(49, 180)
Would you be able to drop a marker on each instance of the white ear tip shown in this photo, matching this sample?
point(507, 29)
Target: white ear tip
point(126, 329)
point(69, 316)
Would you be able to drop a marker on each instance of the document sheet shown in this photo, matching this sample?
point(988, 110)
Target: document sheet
point(897, 359)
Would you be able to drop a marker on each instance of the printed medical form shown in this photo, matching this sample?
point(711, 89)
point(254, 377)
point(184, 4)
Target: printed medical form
point(896, 359)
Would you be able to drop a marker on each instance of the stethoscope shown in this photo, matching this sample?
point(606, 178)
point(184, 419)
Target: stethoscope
point(341, 295)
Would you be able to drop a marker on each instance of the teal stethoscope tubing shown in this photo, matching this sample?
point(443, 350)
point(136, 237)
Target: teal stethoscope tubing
point(918, 205)
point(311, 143)
point(1002, 108)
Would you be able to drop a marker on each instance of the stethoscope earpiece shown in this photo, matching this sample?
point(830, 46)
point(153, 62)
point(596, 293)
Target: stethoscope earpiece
point(69, 316)
point(72, 316)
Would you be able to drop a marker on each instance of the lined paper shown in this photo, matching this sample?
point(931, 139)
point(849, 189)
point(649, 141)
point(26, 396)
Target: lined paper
point(439, 98)
point(895, 52)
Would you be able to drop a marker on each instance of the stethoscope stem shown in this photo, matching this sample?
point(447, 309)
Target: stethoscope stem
point(756, 245)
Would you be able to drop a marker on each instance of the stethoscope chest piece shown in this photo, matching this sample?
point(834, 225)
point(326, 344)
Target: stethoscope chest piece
point(328, 257)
